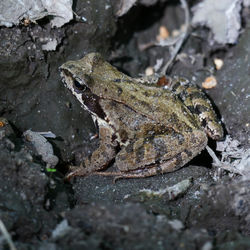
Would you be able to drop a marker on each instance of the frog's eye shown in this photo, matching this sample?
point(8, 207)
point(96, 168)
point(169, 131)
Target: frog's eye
point(78, 85)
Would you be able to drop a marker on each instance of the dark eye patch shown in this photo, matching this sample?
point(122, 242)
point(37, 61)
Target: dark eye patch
point(92, 102)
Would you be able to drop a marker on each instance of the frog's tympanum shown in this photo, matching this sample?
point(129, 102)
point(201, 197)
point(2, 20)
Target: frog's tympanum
point(145, 129)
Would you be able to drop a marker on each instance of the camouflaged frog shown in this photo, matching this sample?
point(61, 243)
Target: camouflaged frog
point(145, 129)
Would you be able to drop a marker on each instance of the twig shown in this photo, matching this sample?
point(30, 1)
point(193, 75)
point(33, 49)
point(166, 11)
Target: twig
point(220, 164)
point(217, 162)
point(7, 236)
point(182, 37)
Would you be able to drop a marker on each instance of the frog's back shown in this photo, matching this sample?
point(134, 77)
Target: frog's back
point(160, 105)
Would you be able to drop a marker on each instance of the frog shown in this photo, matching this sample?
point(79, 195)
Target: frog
point(144, 129)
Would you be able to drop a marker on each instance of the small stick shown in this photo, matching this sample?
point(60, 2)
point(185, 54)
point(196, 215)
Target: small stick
point(220, 164)
point(7, 236)
point(181, 39)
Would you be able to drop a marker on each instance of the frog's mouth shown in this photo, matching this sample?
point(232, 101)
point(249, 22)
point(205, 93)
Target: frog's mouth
point(81, 91)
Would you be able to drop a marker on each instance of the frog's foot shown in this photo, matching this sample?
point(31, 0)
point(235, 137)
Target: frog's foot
point(123, 175)
point(154, 169)
point(77, 171)
point(118, 175)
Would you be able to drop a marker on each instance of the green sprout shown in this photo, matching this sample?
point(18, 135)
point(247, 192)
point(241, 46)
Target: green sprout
point(51, 170)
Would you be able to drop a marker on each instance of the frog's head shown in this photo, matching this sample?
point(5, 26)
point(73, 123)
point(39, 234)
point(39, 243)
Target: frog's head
point(79, 75)
point(91, 72)
point(90, 79)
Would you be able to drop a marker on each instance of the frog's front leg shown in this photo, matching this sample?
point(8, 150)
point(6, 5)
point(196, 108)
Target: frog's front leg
point(157, 154)
point(101, 157)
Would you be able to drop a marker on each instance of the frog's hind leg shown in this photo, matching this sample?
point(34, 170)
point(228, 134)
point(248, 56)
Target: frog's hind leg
point(198, 103)
point(155, 169)
point(157, 154)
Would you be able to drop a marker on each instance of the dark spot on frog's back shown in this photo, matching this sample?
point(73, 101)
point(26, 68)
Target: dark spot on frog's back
point(174, 118)
point(114, 137)
point(145, 104)
point(130, 147)
point(193, 139)
point(201, 108)
point(179, 159)
point(117, 80)
point(159, 147)
point(158, 168)
point(184, 109)
point(176, 86)
point(189, 154)
point(123, 135)
point(183, 95)
point(204, 123)
point(191, 108)
point(180, 138)
point(197, 95)
point(127, 80)
point(119, 91)
point(140, 154)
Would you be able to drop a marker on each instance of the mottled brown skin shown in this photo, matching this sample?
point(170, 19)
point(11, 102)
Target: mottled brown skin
point(147, 129)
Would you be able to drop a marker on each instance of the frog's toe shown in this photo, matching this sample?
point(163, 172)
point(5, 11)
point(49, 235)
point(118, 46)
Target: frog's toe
point(76, 171)
point(73, 168)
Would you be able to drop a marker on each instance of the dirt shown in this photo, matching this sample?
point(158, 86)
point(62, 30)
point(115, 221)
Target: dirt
point(42, 211)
